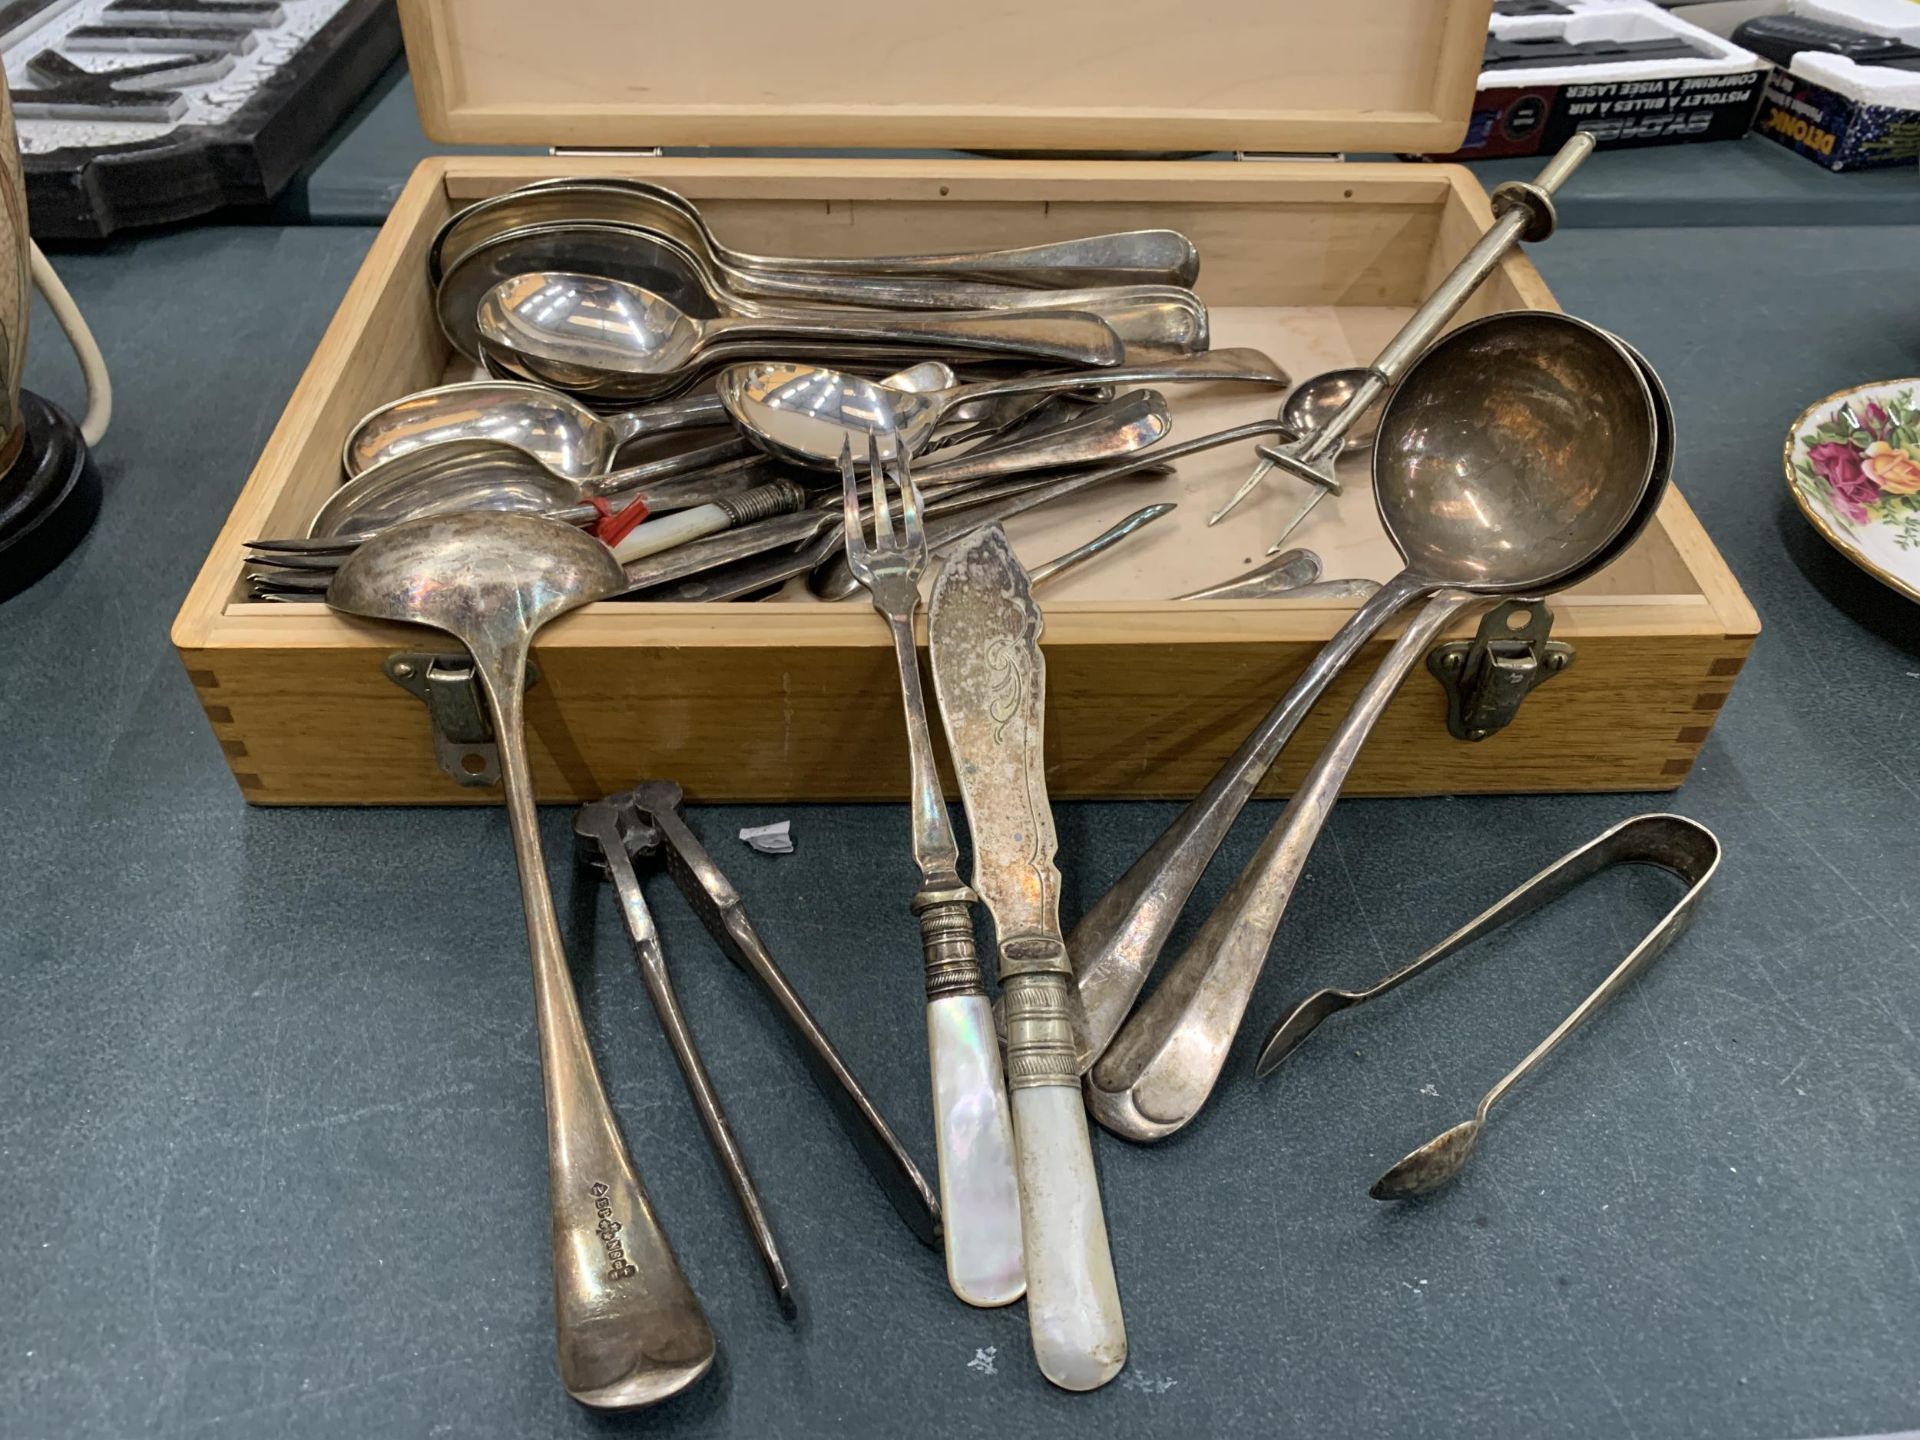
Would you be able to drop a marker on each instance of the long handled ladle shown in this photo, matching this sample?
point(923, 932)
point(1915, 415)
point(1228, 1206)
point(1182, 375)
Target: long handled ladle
point(629, 1328)
point(1523, 446)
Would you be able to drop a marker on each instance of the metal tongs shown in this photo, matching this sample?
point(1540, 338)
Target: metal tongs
point(1671, 842)
point(646, 822)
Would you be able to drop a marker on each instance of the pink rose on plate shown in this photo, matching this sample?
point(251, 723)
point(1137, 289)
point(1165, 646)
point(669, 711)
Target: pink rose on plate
point(1839, 465)
point(1875, 420)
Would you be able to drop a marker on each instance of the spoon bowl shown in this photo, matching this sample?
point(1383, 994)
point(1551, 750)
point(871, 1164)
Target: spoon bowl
point(1429, 1166)
point(1315, 401)
point(1520, 446)
point(569, 438)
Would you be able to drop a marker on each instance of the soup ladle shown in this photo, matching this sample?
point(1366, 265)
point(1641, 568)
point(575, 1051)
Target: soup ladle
point(1521, 448)
point(630, 1330)
point(806, 414)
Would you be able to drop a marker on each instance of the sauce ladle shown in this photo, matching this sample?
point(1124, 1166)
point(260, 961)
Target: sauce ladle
point(630, 1331)
point(806, 413)
point(1513, 456)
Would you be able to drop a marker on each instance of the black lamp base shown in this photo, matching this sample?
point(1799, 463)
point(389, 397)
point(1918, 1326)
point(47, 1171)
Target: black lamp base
point(48, 496)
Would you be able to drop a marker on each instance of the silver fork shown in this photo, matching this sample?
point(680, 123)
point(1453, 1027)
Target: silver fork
point(973, 1130)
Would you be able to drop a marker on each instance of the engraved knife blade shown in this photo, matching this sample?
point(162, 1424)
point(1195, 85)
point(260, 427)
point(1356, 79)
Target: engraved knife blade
point(984, 636)
point(983, 631)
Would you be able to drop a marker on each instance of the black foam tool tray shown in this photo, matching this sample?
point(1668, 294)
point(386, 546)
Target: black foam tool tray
point(143, 112)
point(1780, 37)
point(1526, 54)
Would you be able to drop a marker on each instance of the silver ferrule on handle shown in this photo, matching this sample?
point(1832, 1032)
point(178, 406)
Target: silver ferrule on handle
point(1041, 1048)
point(947, 942)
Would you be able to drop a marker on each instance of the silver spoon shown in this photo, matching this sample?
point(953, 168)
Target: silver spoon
point(565, 323)
point(806, 414)
point(1151, 257)
point(630, 1330)
point(1288, 571)
point(1073, 559)
point(1312, 404)
point(494, 475)
point(564, 435)
point(1523, 446)
point(1153, 315)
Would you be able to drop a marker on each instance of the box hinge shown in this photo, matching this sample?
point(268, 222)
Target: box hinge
point(463, 742)
point(1289, 155)
point(1488, 676)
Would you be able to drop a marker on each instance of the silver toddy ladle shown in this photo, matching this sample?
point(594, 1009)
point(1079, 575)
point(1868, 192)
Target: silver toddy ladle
point(1524, 446)
point(629, 1329)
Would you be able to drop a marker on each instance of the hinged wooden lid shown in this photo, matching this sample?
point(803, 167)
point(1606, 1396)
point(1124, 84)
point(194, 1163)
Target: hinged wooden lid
point(1287, 75)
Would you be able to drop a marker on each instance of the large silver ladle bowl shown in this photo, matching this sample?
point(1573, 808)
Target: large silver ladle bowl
point(630, 1330)
point(1517, 452)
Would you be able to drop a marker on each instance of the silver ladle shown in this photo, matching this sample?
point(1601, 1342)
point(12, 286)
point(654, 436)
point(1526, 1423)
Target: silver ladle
point(629, 1329)
point(806, 414)
point(1514, 455)
point(563, 325)
point(1145, 257)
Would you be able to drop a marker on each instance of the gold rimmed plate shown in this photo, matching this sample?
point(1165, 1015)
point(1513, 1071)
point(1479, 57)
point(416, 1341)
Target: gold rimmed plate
point(1852, 462)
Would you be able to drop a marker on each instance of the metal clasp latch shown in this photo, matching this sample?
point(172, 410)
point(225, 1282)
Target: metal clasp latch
point(1488, 676)
point(463, 743)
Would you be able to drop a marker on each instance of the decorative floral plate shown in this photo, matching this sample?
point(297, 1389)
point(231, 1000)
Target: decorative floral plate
point(1853, 464)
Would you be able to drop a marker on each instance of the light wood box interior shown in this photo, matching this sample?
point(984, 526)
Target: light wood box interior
point(793, 699)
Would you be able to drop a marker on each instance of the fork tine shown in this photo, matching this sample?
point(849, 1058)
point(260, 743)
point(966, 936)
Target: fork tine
point(850, 502)
point(916, 535)
point(883, 536)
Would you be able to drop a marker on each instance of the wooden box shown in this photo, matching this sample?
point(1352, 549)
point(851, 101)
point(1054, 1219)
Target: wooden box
point(790, 699)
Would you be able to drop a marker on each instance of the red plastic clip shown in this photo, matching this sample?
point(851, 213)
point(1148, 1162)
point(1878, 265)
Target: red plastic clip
point(613, 526)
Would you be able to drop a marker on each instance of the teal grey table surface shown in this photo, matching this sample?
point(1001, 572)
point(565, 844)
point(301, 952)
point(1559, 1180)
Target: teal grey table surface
point(1735, 182)
point(271, 1151)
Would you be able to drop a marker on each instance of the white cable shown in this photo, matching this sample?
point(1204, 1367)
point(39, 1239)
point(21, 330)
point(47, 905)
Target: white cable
point(93, 365)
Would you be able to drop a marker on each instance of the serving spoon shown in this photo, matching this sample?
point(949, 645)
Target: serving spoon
point(1158, 319)
point(1524, 445)
point(1153, 257)
point(806, 414)
point(563, 323)
point(630, 1330)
